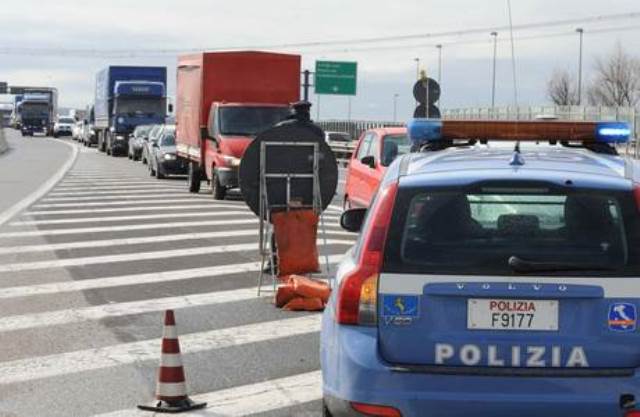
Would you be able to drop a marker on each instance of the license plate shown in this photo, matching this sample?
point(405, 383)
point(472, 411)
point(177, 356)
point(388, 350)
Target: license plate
point(509, 314)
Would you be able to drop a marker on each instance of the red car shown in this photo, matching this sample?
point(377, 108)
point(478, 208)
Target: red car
point(375, 151)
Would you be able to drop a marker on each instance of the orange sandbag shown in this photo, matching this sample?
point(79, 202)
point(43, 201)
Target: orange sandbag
point(309, 287)
point(284, 294)
point(296, 232)
point(304, 304)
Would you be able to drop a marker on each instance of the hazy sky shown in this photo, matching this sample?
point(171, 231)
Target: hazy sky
point(67, 42)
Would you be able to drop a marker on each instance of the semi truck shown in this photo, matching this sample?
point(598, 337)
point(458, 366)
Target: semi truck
point(223, 100)
point(126, 97)
point(37, 111)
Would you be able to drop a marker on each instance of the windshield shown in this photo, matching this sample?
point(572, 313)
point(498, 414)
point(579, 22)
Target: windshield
point(136, 106)
point(394, 145)
point(249, 121)
point(66, 120)
point(168, 139)
point(480, 231)
point(142, 131)
point(32, 110)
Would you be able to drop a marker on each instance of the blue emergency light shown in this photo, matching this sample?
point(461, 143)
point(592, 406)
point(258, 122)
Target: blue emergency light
point(422, 130)
point(613, 132)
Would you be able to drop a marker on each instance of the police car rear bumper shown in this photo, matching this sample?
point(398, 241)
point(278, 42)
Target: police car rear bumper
point(354, 371)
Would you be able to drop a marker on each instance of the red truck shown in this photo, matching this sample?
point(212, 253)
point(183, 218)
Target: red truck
point(224, 99)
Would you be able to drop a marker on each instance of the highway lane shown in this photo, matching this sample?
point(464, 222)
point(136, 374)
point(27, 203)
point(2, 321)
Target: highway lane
point(87, 271)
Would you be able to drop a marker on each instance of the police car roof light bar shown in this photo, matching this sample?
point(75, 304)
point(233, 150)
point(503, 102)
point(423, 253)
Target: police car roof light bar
point(424, 131)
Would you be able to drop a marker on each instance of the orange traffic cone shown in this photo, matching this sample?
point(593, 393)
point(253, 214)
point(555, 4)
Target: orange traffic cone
point(171, 391)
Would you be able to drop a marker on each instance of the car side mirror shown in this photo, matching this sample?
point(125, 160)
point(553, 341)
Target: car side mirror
point(352, 219)
point(170, 108)
point(369, 161)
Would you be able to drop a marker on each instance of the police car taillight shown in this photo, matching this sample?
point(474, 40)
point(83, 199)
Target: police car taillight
point(358, 292)
point(376, 410)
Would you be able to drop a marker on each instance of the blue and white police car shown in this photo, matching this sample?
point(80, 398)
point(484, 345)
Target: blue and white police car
point(492, 278)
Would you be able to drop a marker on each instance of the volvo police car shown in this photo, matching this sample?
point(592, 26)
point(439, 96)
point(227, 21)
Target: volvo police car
point(492, 278)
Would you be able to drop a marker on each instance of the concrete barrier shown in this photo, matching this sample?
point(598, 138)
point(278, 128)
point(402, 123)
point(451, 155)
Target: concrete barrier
point(4, 146)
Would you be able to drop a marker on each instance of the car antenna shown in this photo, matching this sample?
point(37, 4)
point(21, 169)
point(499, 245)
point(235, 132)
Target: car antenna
point(517, 156)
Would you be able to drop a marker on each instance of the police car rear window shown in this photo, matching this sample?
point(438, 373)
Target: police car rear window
point(514, 231)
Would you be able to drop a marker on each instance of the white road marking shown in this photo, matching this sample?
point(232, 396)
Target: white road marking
point(146, 190)
point(139, 201)
point(208, 206)
point(75, 315)
point(116, 210)
point(120, 187)
point(39, 367)
point(137, 279)
point(42, 190)
point(130, 218)
point(250, 399)
point(140, 256)
point(130, 227)
point(335, 208)
point(50, 247)
point(142, 197)
point(66, 184)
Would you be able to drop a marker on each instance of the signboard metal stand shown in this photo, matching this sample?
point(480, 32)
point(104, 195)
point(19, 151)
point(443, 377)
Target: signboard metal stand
point(267, 205)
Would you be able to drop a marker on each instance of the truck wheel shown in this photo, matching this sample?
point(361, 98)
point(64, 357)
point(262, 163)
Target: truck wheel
point(325, 410)
point(194, 179)
point(217, 190)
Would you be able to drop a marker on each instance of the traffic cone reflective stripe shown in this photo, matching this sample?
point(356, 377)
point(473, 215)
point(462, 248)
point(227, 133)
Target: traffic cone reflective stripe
point(171, 389)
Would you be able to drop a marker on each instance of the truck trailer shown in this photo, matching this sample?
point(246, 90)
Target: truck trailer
point(127, 97)
point(223, 100)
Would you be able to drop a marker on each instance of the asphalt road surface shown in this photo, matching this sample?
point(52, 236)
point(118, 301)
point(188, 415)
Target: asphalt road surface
point(87, 271)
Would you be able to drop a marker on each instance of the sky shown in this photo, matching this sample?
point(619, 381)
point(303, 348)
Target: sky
point(63, 43)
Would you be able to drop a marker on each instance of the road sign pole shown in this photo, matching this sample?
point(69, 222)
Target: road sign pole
point(306, 85)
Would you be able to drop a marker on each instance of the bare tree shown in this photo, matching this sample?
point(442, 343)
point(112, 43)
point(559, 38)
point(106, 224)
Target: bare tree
point(561, 88)
point(617, 80)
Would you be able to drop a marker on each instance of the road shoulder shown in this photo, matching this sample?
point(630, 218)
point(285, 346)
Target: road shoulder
point(30, 169)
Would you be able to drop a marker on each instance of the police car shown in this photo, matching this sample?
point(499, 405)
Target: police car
point(496, 274)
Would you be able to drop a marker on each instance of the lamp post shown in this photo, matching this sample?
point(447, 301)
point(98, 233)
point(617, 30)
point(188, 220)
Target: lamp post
point(439, 46)
point(417, 60)
point(580, 32)
point(493, 71)
point(395, 107)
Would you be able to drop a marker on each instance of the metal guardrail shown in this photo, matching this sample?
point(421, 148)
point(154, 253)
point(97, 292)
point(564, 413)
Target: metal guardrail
point(343, 151)
point(354, 127)
point(4, 146)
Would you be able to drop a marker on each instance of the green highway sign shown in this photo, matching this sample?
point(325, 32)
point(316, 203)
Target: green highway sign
point(334, 77)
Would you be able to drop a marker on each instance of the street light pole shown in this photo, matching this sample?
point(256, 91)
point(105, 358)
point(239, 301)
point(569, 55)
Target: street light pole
point(439, 63)
point(417, 72)
point(580, 33)
point(395, 107)
point(493, 71)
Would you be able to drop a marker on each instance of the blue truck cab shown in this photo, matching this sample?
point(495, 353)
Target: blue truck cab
point(492, 279)
point(127, 97)
point(35, 114)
